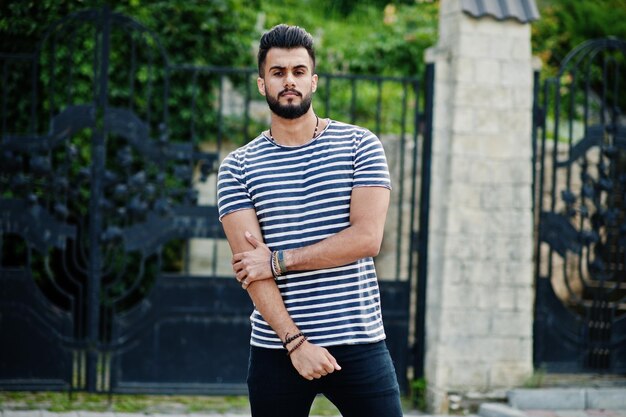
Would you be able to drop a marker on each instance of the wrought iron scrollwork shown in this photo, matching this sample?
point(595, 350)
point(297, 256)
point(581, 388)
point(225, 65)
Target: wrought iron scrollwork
point(92, 204)
point(582, 220)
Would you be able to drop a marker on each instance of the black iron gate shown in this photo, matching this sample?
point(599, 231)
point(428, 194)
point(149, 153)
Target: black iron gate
point(580, 202)
point(114, 271)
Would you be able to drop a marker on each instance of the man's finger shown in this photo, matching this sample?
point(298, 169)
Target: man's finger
point(253, 240)
point(333, 361)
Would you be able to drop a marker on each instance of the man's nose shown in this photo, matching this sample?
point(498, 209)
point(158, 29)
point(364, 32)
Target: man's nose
point(290, 80)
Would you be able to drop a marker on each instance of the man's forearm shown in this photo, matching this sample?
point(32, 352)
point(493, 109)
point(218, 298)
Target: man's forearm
point(268, 301)
point(264, 293)
point(345, 247)
point(363, 238)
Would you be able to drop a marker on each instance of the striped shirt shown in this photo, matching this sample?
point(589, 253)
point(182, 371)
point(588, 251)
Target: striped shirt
point(301, 196)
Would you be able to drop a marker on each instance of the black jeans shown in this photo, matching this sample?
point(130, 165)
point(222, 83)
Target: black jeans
point(366, 386)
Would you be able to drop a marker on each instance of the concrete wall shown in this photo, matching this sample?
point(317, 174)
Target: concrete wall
point(480, 292)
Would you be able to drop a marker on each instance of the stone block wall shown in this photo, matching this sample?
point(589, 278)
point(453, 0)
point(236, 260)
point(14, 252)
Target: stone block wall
point(480, 292)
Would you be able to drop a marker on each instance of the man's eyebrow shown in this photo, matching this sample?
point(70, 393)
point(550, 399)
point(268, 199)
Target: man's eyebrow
point(280, 67)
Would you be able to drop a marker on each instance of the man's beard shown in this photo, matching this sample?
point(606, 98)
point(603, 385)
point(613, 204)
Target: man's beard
point(288, 111)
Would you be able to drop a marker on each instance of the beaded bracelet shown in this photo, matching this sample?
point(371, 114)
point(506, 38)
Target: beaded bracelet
point(289, 339)
point(304, 339)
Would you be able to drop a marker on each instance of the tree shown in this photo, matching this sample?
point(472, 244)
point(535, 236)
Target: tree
point(219, 32)
point(564, 24)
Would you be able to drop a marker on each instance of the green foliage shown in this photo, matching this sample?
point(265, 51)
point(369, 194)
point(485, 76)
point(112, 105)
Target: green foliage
point(565, 24)
point(352, 37)
point(62, 402)
point(536, 380)
point(397, 47)
point(344, 8)
point(218, 32)
point(367, 38)
point(418, 393)
point(379, 106)
point(179, 32)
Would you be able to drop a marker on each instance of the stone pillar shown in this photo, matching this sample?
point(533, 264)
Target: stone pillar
point(480, 280)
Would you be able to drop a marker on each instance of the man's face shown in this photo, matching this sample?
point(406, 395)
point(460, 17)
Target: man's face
point(288, 82)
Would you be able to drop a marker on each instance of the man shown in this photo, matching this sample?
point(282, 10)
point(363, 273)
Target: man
point(303, 207)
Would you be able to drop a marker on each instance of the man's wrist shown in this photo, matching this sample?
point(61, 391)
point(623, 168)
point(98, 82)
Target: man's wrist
point(296, 345)
point(293, 342)
point(292, 337)
point(278, 263)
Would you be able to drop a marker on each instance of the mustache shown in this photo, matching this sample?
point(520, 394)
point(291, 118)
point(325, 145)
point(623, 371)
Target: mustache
point(288, 90)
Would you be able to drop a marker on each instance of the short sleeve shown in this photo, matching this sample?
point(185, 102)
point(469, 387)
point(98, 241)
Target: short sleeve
point(232, 193)
point(370, 163)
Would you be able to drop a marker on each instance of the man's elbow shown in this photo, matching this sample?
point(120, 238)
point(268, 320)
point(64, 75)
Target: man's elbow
point(371, 246)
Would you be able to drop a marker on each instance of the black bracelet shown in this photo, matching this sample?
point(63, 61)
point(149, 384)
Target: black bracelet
point(304, 339)
point(291, 339)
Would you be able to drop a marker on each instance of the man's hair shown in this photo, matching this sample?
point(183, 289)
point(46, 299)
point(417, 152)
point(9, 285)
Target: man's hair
point(288, 37)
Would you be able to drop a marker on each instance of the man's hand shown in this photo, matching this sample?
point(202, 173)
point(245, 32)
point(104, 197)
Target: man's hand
point(313, 362)
point(252, 265)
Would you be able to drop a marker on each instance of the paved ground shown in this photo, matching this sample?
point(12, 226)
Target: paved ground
point(509, 413)
point(93, 414)
point(560, 402)
point(575, 413)
point(522, 413)
point(552, 402)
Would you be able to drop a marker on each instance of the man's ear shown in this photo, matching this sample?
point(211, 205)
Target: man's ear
point(260, 83)
point(314, 83)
